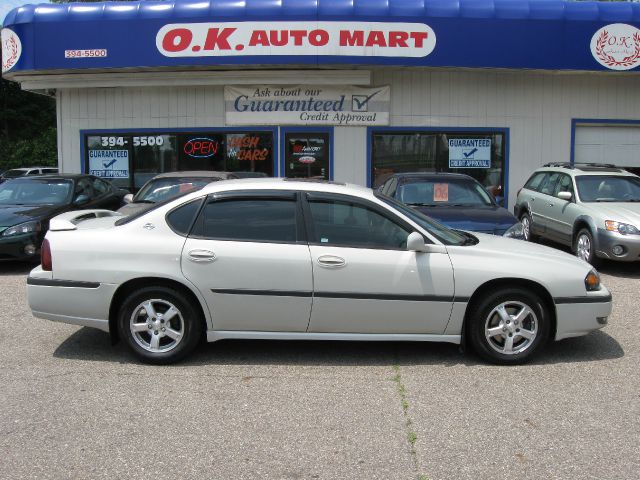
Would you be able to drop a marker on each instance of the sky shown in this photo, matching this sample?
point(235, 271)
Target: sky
point(7, 5)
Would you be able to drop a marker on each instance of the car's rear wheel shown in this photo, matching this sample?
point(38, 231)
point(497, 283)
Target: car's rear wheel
point(584, 248)
point(509, 326)
point(159, 325)
point(525, 219)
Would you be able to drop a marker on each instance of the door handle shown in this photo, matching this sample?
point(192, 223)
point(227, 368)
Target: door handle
point(201, 256)
point(331, 261)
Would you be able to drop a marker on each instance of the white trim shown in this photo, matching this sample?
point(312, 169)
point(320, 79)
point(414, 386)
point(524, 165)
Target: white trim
point(194, 78)
point(98, 323)
point(215, 335)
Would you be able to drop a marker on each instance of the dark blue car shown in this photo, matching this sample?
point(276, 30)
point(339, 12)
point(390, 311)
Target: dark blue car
point(454, 199)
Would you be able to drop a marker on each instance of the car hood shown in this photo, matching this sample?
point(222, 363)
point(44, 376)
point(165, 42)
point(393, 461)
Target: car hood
point(626, 212)
point(478, 219)
point(14, 214)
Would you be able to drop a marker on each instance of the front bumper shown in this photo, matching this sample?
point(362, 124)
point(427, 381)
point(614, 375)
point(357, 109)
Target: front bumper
point(77, 303)
point(607, 240)
point(577, 316)
point(13, 247)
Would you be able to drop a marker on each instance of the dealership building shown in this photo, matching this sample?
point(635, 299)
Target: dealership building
point(346, 90)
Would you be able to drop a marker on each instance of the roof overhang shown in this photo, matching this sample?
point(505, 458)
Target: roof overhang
point(181, 35)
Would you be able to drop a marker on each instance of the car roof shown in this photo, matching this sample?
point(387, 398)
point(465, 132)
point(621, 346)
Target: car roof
point(585, 168)
point(308, 185)
point(61, 176)
point(194, 174)
point(433, 175)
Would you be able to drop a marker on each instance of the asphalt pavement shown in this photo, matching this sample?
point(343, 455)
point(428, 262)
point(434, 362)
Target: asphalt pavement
point(74, 407)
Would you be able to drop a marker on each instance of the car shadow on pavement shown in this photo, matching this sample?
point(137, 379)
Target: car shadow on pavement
point(93, 345)
point(16, 268)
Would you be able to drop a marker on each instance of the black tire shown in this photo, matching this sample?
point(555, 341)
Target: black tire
point(527, 225)
point(584, 248)
point(187, 322)
point(492, 346)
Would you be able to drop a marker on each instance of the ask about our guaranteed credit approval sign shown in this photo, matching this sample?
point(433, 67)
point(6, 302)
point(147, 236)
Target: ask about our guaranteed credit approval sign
point(307, 105)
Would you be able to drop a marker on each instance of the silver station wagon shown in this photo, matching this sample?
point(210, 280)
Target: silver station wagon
point(304, 260)
point(593, 208)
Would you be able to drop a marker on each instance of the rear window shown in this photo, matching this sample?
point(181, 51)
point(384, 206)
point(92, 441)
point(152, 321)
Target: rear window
point(181, 219)
point(534, 182)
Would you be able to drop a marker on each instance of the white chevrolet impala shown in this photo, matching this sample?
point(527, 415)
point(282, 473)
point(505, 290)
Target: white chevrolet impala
point(300, 260)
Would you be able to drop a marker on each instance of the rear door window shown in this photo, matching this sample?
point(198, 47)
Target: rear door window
point(548, 185)
point(272, 220)
point(536, 179)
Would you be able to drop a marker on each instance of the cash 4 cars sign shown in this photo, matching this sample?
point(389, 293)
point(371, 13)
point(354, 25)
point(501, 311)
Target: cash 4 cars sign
point(307, 105)
point(617, 46)
point(372, 39)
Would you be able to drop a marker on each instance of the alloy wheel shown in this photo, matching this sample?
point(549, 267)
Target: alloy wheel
point(157, 325)
point(511, 327)
point(583, 247)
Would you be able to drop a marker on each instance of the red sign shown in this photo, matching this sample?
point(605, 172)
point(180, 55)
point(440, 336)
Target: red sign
point(201, 147)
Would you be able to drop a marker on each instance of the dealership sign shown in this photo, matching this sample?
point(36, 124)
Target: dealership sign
point(364, 39)
point(307, 105)
point(109, 163)
point(617, 46)
point(470, 153)
point(11, 49)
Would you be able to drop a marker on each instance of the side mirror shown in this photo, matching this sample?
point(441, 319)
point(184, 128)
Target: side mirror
point(81, 200)
point(415, 243)
point(128, 198)
point(565, 196)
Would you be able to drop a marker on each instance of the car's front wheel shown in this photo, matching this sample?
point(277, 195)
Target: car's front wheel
point(508, 326)
point(584, 248)
point(159, 324)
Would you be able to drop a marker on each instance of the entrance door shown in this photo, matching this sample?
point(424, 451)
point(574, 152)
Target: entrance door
point(307, 153)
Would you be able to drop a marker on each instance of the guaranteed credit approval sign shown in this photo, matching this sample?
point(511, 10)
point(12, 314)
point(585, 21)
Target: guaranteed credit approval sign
point(364, 39)
point(306, 105)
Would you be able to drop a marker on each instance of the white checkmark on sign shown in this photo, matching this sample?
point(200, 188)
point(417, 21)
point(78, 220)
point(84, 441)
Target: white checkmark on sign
point(360, 103)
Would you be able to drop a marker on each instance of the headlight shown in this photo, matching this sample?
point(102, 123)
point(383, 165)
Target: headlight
point(592, 281)
point(21, 229)
point(623, 228)
point(515, 231)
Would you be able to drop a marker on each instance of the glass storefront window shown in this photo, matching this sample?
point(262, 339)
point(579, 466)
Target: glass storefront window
point(129, 160)
point(479, 155)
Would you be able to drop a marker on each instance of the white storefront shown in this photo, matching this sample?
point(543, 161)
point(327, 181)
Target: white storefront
point(521, 112)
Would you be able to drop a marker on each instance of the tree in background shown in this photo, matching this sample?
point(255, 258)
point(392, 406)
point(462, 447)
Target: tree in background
point(27, 128)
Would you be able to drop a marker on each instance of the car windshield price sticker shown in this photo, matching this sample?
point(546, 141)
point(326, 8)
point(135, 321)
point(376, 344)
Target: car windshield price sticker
point(441, 192)
point(109, 163)
point(470, 153)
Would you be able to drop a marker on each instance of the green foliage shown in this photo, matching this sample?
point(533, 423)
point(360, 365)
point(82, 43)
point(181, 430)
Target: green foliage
point(27, 128)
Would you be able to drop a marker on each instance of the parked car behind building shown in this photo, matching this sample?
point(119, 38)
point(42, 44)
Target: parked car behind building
point(459, 201)
point(593, 208)
point(28, 203)
point(167, 185)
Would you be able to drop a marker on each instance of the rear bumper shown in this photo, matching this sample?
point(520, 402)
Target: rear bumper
point(77, 303)
point(578, 316)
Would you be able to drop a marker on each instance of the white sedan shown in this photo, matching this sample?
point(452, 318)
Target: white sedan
point(303, 260)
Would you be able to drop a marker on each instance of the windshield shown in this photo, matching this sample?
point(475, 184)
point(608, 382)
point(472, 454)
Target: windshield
point(441, 232)
point(443, 192)
point(14, 173)
point(165, 188)
point(608, 188)
point(40, 191)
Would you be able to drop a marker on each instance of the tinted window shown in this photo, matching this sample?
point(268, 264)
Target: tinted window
point(346, 224)
point(34, 172)
point(165, 188)
point(35, 191)
point(181, 218)
point(564, 185)
point(84, 188)
point(252, 220)
point(534, 182)
point(443, 191)
point(100, 186)
point(49, 170)
point(601, 188)
point(549, 183)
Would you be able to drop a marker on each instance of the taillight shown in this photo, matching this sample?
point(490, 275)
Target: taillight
point(45, 256)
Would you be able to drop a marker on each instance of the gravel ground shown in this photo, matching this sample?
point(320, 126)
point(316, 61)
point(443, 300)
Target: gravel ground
point(73, 406)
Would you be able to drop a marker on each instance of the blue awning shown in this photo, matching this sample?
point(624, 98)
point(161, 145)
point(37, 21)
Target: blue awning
point(514, 34)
